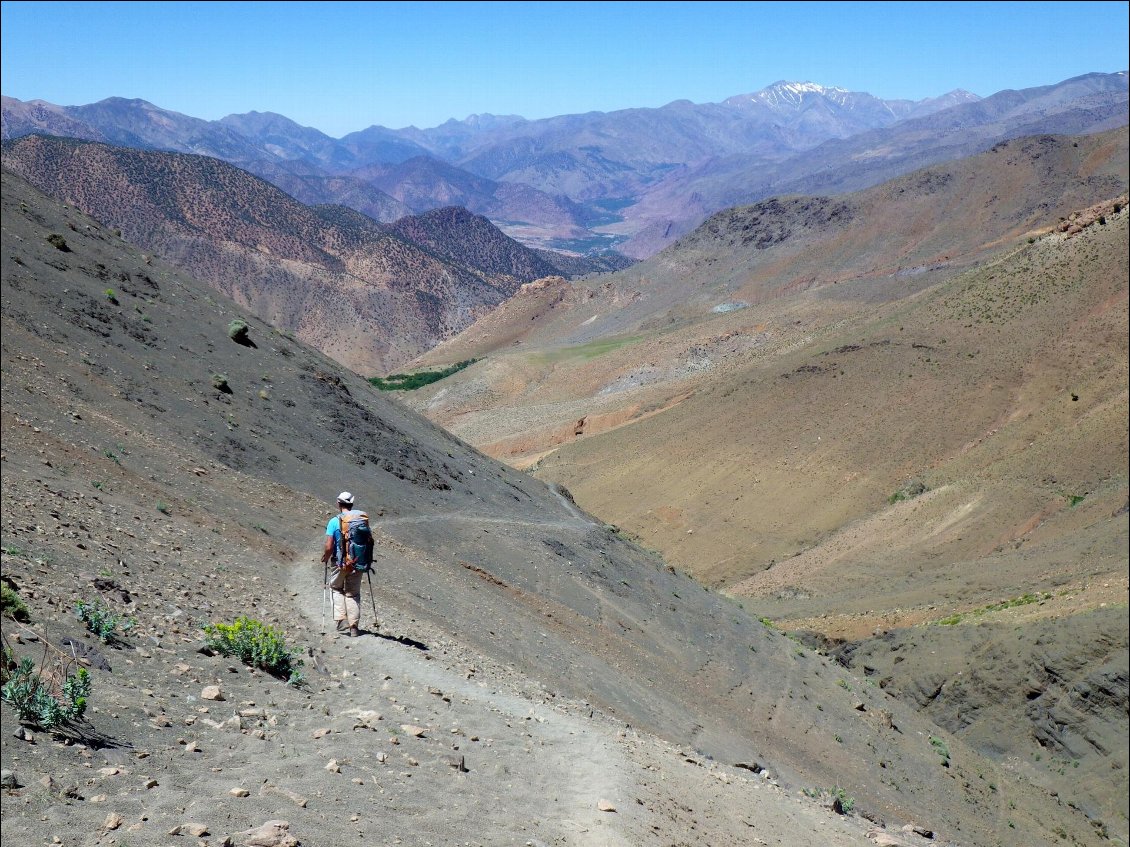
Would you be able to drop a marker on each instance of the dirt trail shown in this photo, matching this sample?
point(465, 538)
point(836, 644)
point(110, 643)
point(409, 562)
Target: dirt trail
point(539, 766)
point(547, 769)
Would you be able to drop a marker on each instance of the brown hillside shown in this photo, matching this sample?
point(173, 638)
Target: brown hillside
point(1003, 394)
point(360, 294)
point(615, 348)
point(868, 450)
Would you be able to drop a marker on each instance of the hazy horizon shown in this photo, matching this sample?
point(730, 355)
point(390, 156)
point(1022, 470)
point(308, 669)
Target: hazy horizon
point(342, 67)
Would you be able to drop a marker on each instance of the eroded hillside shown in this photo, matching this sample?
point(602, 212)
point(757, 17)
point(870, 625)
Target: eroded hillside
point(368, 296)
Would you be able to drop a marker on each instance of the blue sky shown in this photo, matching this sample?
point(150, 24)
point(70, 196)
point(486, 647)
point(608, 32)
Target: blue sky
point(341, 67)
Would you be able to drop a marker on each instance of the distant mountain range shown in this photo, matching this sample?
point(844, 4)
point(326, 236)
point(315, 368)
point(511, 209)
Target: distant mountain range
point(635, 179)
point(367, 294)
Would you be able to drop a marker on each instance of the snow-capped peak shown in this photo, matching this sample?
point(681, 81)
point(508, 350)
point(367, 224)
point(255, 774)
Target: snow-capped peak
point(784, 94)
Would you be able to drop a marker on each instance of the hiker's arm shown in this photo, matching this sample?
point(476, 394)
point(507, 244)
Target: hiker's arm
point(328, 549)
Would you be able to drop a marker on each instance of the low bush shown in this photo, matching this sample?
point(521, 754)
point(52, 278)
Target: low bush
point(102, 621)
point(46, 697)
point(238, 331)
point(942, 749)
point(910, 490)
point(220, 383)
point(58, 242)
point(256, 644)
point(846, 801)
point(13, 605)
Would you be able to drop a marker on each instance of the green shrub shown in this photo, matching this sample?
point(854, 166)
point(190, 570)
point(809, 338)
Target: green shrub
point(220, 383)
point(13, 606)
point(910, 490)
point(58, 242)
point(41, 699)
point(102, 621)
point(256, 644)
point(238, 331)
point(111, 296)
point(942, 749)
point(847, 803)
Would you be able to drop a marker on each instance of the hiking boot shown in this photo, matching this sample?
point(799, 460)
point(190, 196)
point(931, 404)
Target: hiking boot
point(341, 625)
point(354, 631)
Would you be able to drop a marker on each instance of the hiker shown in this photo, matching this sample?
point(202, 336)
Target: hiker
point(346, 582)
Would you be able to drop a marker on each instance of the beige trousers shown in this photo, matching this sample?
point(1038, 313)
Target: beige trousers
point(346, 591)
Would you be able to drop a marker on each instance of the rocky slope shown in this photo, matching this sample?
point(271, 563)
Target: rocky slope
point(367, 296)
point(606, 349)
point(534, 677)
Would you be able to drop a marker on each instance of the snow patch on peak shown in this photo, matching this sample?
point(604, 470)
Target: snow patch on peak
point(790, 95)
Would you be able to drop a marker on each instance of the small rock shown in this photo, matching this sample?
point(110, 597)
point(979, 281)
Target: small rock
point(112, 822)
point(605, 806)
point(24, 734)
point(239, 792)
point(151, 783)
point(194, 829)
point(321, 733)
point(413, 730)
point(8, 779)
point(212, 692)
point(332, 766)
point(109, 771)
point(884, 839)
point(269, 834)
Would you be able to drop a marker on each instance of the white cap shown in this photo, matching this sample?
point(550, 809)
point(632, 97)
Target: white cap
point(346, 498)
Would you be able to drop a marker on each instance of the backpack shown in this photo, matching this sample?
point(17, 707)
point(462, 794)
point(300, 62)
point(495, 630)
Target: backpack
point(356, 550)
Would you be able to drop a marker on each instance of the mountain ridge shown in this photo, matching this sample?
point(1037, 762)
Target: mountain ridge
point(632, 180)
point(275, 255)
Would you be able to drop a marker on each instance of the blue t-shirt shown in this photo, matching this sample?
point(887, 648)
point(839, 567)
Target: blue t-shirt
point(333, 530)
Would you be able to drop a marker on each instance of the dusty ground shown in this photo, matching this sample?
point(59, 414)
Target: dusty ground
point(433, 744)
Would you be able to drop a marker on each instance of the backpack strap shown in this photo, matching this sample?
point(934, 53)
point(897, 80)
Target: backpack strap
point(343, 544)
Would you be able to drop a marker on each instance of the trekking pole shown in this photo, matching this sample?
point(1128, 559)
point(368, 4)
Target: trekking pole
point(372, 599)
point(325, 582)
